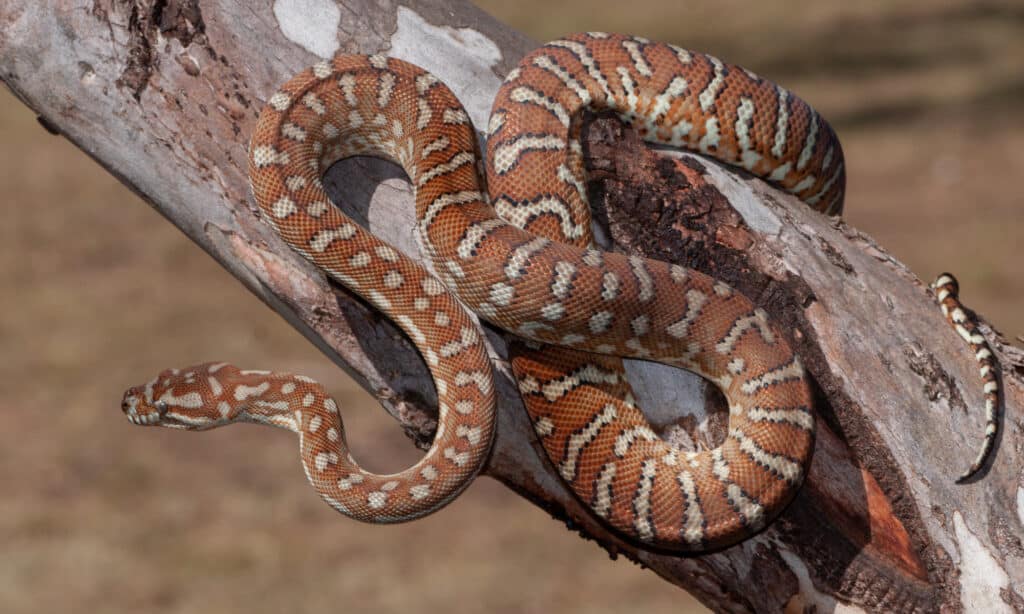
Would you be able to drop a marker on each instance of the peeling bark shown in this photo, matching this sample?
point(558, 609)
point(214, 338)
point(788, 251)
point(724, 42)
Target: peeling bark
point(163, 93)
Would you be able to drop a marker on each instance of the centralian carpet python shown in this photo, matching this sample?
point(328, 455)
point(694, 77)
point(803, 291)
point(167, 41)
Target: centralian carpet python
point(521, 257)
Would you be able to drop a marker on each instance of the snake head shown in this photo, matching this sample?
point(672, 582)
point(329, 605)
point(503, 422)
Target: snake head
point(189, 398)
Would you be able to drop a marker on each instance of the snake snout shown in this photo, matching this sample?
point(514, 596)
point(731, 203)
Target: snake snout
point(136, 411)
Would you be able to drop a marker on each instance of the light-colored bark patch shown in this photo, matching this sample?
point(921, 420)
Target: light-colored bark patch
point(1020, 505)
point(810, 598)
point(312, 24)
point(981, 577)
point(431, 47)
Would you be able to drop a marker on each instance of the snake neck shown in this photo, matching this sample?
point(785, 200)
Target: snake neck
point(302, 406)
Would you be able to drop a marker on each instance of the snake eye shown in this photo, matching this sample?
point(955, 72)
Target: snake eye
point(161, 406)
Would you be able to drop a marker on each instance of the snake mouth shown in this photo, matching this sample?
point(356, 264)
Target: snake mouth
point(148, 419)
point(138, 413)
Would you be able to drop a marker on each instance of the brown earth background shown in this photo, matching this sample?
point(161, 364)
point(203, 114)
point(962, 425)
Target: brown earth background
point(99, 292)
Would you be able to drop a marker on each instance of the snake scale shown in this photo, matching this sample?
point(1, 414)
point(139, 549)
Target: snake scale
point(520, 256)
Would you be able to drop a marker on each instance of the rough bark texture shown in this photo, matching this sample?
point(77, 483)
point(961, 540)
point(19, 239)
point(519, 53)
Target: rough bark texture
point(164, 93)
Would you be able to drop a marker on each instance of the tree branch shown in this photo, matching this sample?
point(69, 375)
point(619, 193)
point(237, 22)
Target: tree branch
point(164, 94)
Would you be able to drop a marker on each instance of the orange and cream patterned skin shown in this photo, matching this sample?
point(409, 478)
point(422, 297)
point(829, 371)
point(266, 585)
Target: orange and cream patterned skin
point(947, 291)
point(522, 260)
point(210, 395)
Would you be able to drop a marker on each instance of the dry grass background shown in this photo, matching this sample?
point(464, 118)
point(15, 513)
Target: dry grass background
point(99, 292)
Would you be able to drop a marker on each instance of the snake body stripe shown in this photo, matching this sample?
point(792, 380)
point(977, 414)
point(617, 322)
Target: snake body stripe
point(947, 291)
point(522, 258)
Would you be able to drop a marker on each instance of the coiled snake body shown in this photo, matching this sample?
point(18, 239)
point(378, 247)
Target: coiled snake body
point(522, 259)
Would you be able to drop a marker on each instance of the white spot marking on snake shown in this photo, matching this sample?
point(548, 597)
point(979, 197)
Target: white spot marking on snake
point(709, 141)
point(789, 371)
point(387, 86)
point(632, 100)
point(695, 301)
point(628, 436)
point(663, 102)
point(642, 500)
point(444, 201)
point(736, 366)
point(471, 434)
point(266, 155)
point(683, 55)
point(643, 278)
point(325, 458)
point(376, 499)
point(741, 326)
point(813, 200)
point(580, 439)
point(280, 101)
point(348, 482)
point(600, 321)
point(284, 207)
point(507, 153)
point(693, 526)
point(243, 392)
point(553, 311)
point(520, 213)
point(323, 238)
point(495, 123)
point(777, 464)
point(708, 95)
point(809, 142)
point(543, 426)
point(796, 417)
point(295, 183)
point(603, 487)
point(457, 458)
point(360, 260)
point(527, 95)
point(215, 386)
point(454, 116)
point(592, 257)
point(316, 209)
point(781, 124)
point(481, 379)
point(393, 279)
point(582, 53)
point(313, 101)
point(780, 172)
point(639, 63)
point(293, 132)
point(549, 64)
point(744, 118)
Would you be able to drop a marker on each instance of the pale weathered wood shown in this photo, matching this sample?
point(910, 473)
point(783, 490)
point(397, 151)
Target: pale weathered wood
point(164, 94)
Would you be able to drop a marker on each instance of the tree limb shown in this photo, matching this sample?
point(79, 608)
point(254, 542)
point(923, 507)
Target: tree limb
point(164, 94)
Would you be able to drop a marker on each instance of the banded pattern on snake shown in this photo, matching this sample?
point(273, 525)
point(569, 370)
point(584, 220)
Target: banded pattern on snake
point(947, 291)
point(522, 259)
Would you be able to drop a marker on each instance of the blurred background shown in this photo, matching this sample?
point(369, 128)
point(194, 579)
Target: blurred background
point(99, 292)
